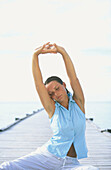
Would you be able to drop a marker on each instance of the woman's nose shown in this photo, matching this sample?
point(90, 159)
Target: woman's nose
point(56, 94)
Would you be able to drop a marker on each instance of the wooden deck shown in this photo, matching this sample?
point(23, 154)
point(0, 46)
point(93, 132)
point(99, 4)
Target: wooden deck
point(26, 136)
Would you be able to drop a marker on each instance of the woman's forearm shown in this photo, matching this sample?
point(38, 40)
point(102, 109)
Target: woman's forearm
point(69, 65)
point(36, 70)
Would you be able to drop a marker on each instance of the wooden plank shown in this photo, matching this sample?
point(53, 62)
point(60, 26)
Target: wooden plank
point(34, 131)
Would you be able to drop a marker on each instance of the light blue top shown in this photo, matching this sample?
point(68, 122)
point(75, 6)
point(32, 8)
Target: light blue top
point(68, 127)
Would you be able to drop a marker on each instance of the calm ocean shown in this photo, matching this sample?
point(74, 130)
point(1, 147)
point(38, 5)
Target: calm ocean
point(99, 111)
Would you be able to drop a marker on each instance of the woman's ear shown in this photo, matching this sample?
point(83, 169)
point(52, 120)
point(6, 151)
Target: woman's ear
point(64, 84)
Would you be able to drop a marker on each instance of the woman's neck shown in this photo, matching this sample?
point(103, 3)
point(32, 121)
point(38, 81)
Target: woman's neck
point(65, 103)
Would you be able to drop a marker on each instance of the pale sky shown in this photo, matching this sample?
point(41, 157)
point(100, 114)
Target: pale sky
point(82, 27)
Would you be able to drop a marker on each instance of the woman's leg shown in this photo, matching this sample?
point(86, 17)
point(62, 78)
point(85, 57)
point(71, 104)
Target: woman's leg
point(32, 161)
point(38, 160)
point(73, 164)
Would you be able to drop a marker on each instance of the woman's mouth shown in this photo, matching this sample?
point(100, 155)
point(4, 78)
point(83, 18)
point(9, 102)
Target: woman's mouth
point(59, 96)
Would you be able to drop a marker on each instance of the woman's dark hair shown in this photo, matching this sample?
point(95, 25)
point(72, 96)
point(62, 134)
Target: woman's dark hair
point(55, 78)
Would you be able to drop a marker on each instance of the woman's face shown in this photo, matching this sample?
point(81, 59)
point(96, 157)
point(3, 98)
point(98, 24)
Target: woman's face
point(57, 91)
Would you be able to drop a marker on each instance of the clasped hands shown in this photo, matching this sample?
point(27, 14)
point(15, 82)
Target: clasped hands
point(48, 48)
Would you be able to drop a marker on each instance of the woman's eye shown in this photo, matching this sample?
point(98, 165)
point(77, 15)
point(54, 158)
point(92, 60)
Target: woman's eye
point(51, 94)
point(57, 88)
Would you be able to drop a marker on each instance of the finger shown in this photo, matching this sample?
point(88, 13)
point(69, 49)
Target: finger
point(51, 45)
point(42, 46)
point(55, 44)
point(47, 43)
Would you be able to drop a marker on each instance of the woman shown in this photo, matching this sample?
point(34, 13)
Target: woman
point(67, 117)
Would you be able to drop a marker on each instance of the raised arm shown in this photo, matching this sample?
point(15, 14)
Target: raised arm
point(47, 102)
point(75, 84)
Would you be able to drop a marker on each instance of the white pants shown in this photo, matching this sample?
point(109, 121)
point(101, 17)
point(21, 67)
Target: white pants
point(41, 159)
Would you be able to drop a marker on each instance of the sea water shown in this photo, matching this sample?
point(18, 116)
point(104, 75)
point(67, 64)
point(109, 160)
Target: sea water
point(99, 111)
point(11, 110)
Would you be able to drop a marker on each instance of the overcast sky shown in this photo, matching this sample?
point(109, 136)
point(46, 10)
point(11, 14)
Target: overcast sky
point(82, 27)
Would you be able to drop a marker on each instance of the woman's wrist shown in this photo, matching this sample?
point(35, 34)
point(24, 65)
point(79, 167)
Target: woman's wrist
point(62, 51)
point(35, 57)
